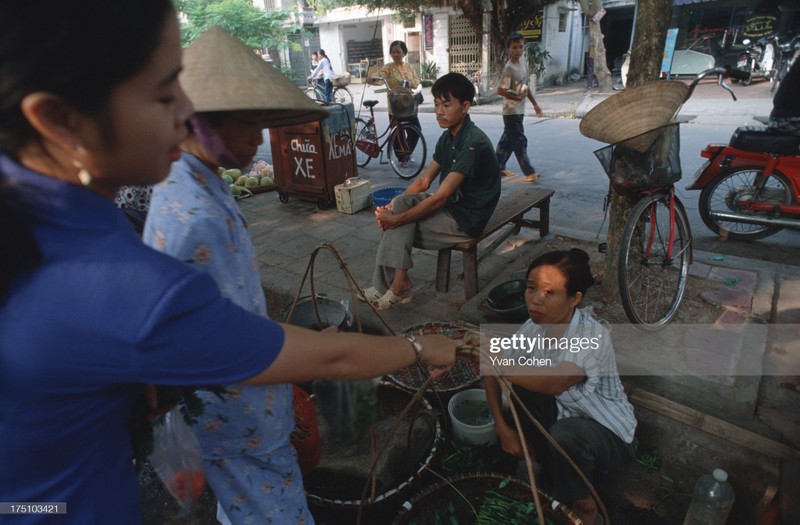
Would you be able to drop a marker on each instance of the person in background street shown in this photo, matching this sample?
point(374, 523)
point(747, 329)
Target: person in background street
point(469, 189)
point(118, 314)
point(324, 70)
point(591, 78)
point(514, 90)
point(578, 396)
point(400, 75)
point(249, 460)
point(785, 115)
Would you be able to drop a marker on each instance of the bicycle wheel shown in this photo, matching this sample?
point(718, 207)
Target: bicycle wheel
point(652, 277)
point(313, 94)
point(342, 95)
point(365, 138)
point(731, 189)
point(407, 150)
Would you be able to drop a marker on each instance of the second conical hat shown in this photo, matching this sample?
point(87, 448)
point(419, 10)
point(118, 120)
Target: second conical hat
point(220, 73)
point(635, 112)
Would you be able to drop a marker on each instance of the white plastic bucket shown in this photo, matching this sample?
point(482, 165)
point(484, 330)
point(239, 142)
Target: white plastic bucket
point(469, 413)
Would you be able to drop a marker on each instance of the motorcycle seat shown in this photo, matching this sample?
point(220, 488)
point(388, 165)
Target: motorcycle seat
point(751, 138)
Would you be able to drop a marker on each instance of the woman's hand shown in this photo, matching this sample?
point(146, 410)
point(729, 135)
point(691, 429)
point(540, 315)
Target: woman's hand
point(438, 351)
point(509, 439)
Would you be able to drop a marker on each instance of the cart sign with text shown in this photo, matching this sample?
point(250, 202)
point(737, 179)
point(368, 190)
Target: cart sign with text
point(427, 24)
point(531, 29)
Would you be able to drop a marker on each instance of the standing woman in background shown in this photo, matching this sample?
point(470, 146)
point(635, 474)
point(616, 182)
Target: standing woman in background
point(117, 315)
point(398, 74)
point(324, 68)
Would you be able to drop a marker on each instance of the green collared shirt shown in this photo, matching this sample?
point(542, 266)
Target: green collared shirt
point(470, 153)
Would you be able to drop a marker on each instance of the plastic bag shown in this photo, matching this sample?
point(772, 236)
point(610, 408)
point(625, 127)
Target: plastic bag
point(349, 409)
point(305, 435)
point(177, 459)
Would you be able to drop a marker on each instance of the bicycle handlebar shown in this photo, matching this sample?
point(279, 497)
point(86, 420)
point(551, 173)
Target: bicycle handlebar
point(722, 73)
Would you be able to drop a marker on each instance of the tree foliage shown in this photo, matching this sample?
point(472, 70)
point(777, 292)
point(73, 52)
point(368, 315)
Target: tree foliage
point(260, 29)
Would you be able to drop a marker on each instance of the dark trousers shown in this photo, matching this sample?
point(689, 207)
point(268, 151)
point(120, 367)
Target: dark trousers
point(591, 79)
point(514, 141)
point(593, 447)
point(328, 88)
point(409, 140)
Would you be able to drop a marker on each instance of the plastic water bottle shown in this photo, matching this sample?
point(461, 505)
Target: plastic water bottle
point(712, 500)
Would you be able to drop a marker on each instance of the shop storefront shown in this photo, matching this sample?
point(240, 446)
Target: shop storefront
point(717, 26)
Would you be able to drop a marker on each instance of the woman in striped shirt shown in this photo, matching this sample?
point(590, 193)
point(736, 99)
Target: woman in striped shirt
point(564, 371)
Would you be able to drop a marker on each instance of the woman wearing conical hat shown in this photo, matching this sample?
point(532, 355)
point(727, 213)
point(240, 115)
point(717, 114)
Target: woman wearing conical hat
point(248, 456)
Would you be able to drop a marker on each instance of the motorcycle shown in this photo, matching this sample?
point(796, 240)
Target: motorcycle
point(750, 187)
point(757, 60)
point(788, 53)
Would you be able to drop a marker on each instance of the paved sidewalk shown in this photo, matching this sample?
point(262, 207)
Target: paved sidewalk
point(574, 100)
point(286, 234)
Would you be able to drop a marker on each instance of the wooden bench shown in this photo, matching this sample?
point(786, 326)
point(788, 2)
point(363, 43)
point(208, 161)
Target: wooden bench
point(510, 211)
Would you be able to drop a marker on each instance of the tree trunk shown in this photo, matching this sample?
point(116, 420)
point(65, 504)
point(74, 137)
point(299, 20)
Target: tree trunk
point(590, 8)
point(652, 21)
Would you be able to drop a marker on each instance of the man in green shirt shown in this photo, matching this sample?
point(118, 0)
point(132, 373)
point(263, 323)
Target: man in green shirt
point(469, 189)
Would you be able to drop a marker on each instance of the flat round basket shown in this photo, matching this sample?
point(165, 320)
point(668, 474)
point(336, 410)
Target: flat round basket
point(437, 500)
point(338, 480)
point(634, 112)
point(341, 80)
point(464, 374)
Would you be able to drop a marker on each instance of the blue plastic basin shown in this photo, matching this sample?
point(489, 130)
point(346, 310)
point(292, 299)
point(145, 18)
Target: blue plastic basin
point(384, 196)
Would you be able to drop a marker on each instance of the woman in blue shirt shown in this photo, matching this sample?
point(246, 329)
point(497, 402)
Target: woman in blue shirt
point(89, 314)
point(245, 436)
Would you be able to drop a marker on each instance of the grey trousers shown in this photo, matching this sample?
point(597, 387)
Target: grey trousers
point(435, 232)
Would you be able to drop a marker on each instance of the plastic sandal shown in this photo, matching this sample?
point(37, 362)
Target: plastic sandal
point(372, 294)
point(389, 299)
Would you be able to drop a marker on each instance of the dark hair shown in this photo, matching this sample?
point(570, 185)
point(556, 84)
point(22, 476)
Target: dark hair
point(95, 45)
point(322, 52)
point(400, 44)
point(90, 47)
point(574, 264)
point(513, 37)
point(453, 85)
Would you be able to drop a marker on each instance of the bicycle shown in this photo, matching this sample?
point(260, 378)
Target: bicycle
point(315, 90)
point(407, 149)
point(655, 248)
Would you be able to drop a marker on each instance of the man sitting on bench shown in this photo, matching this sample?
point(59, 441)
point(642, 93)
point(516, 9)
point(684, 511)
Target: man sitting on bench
point(469, 189)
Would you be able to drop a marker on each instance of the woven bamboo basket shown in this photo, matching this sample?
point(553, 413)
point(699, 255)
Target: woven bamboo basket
point(436, 499)
point(341, 488)
point(464, 374)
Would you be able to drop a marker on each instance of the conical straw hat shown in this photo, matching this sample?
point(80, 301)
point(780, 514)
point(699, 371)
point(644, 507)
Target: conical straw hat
point(220, 73)
point(634, 112)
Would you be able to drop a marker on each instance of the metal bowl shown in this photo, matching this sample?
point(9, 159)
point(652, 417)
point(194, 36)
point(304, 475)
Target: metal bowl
point(331, 313)
point(508, 301)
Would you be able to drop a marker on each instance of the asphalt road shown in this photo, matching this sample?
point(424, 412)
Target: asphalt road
point(565, 158)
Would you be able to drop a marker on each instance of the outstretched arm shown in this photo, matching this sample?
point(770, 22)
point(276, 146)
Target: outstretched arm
point(307, 355)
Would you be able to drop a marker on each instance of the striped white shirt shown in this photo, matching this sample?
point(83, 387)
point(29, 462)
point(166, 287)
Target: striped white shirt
point(600, 396)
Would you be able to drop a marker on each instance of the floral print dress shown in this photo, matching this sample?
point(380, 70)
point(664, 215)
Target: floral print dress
point(248, 457)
